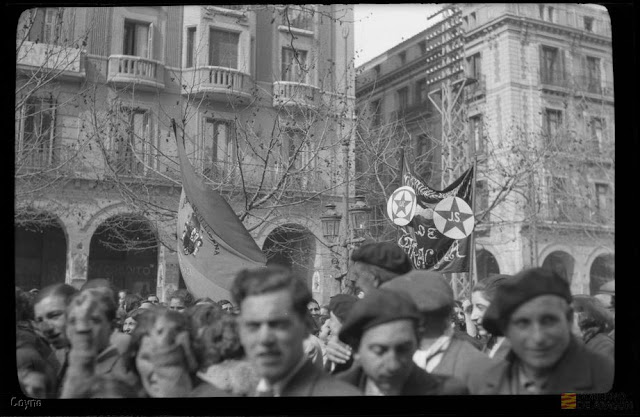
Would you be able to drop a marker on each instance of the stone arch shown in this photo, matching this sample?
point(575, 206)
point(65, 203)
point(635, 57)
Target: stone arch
point(560, 262)
point(294, 246)
point(486, 264)
point(601, 271)
point(40, 244)
point(124, 249)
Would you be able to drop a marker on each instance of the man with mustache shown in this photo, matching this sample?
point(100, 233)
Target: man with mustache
point(533, 310)
point(272, 325)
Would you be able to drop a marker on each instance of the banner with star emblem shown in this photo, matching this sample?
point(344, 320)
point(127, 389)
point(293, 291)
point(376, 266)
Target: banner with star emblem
point(213, 244)
point(439, 235)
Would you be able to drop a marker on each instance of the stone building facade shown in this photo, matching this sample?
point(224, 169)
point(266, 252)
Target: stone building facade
point(231, 76)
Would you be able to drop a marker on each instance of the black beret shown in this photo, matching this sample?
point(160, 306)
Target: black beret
point(341, 304)
point(428, 289)
point(377, 307)
point(385, 255)
point(514, 292)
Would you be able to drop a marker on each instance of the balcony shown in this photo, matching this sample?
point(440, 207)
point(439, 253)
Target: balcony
point(476, 86)
point(135, 71)
point(593, 86)
point(217, 83)
point(50, 60)
point(293, 94)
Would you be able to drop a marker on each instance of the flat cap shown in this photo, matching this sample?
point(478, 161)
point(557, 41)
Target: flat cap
point(524, 286)
point(379, 306)
point(428, 289)
point(385, 255)
point(341, 304)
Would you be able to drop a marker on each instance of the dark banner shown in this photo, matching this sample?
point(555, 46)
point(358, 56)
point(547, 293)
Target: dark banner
point(421, 240)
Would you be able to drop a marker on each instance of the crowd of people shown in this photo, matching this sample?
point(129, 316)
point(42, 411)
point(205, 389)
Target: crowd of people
point(402, 334)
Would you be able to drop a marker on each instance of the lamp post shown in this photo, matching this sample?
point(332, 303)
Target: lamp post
point(358, 219)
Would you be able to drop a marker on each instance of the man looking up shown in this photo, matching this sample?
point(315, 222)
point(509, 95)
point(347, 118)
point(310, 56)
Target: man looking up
point(533, 310)
point(272, 325)
point(377, 263)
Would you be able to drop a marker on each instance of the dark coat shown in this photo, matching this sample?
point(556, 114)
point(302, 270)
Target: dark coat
point(419, 382)
point(603, 344)
point(502, 351)
point(461, 360)
point(310, 381)
point(579, 370)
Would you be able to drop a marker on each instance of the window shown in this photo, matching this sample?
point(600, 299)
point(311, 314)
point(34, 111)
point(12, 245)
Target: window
point(36, 144)
point(593, 74)
point(541, 9)
point(473, 19)
point(552, 71)
point(294, 65)
point(421, 92)
point(299, 149)
point(425, 154)
point(588, 23)
point(475, 126)
point(474, 66)
point(191, 39)
point(403, 57)
point(300, 16)
point(138, 38)
point(550, 15)
point(559, 198)
point(376, 112)
point(596, 133)
point(482, 196)
point(132, 142)
point(219, 145)
point(403, 99)
point(52, 25)
point(223, 48)
point(552, 125)
point(604, 201)
point(422, 46)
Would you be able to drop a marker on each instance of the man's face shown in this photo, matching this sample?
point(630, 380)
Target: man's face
point(50, 318)
point(334, 324)
point(228, 308)
point(121, 296)
point(177, 304)
point(539, 331)
point(164, 381)
point(88, 320)
point(314, 308)
point(480, 305)
point(363, 279)
point(129, 325)
point(271, 333)
point(386, 354)
point(153, 299)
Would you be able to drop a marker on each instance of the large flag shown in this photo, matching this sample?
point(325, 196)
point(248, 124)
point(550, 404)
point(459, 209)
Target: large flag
point(438, 238)
point(213, 244)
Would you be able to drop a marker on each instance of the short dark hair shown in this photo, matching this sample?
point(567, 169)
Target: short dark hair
point(66, 292)
point(592, 314)
point(489, 285)
point(132, 302)
point(250, 282)
point(183, 295)
point(102, 294)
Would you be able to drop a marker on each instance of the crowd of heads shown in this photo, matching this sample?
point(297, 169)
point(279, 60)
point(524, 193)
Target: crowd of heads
point(103, 342)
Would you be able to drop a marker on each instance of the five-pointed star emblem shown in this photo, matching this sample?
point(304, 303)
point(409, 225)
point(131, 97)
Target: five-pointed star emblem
point(402, 205)
point(451, 220)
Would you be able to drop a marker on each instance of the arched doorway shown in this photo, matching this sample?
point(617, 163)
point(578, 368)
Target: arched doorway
point(602, 271)
point(124, 249)
point(561, 263)
point(486, 264)
point(293, 246)
point(40, 251)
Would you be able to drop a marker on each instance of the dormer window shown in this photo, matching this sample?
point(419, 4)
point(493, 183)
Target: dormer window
point(588, 24)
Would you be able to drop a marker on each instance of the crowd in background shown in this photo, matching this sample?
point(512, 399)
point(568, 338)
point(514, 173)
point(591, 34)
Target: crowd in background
point(404, 334)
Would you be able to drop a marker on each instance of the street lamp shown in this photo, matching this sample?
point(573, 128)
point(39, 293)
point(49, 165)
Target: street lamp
point(331, 223)
point(359, 216)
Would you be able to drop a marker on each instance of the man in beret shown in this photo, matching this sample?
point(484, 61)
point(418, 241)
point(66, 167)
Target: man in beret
point(382, 328)
point(533, 310)
point(339, 354)
point(440, 350)
point(377, 263)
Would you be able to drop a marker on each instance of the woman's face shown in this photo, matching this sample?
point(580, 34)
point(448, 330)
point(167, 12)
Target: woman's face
point(163, 381)
point(325, 331)
point(480, 305)
point(129, 325)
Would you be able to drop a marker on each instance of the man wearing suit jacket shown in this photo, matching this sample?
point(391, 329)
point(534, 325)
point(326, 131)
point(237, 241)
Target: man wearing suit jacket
point(440, 351)
point(272, 326)
point(382, 329)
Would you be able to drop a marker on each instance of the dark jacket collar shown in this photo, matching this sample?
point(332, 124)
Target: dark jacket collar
point(418, 382)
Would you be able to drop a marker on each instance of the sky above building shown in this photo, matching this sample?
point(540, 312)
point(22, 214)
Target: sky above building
point(379, 27)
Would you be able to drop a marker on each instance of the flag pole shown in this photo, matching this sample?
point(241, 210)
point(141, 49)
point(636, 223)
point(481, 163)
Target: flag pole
point(473, 266)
